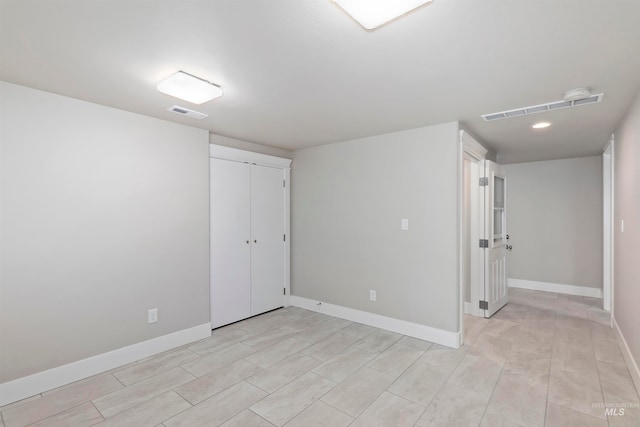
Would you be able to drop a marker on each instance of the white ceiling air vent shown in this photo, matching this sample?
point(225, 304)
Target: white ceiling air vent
point(542, 108)
point(186, 112)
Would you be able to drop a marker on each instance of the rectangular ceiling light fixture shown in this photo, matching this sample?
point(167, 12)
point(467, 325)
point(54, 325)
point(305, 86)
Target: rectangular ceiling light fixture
point(372, 14)
point(524, 111)
point(189, 88)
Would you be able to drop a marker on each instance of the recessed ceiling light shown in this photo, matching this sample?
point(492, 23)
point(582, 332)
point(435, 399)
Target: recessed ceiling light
point(371, 14)
point(541, 125)
point(189, 88)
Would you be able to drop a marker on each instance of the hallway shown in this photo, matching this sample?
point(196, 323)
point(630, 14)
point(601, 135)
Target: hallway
point(553, 358)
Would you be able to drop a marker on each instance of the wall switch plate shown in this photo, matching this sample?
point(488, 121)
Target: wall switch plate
point(404, 224)
point(622, 225)
point(153, 315)
point(372, 295)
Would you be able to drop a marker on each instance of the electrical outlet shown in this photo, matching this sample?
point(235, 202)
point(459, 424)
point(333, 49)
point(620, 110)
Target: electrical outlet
point(404, 224)
point(372, 295)
point(153, 315)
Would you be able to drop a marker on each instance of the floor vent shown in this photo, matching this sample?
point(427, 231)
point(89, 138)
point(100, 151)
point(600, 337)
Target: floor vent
point(542, 108)
point(186, 112)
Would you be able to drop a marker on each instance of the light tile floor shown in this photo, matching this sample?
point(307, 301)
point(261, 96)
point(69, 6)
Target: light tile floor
point(544, 359)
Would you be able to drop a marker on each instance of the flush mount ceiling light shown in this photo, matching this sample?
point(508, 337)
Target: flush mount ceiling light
point(541, 125)
point(371, 14)
point(189, 88)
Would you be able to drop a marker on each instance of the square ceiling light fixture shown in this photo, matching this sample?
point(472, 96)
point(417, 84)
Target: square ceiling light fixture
point(189, 88)
point(372, 14)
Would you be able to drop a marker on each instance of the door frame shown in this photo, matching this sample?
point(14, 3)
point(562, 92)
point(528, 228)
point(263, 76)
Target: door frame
point(234, 154)
point(468, 146)
point(608, 225)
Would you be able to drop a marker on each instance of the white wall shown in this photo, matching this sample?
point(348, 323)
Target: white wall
point(104, 215)
point(555, 221)
point(348, 200)
point(626, 244)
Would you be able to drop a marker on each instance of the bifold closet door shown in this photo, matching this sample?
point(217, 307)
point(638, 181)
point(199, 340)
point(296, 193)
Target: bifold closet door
point(230, 241)
point(267, 232)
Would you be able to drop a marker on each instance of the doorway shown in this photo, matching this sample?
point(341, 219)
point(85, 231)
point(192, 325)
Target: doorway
point(471, 258)
point(472, 224)
point(608, 226)
point(483, 237)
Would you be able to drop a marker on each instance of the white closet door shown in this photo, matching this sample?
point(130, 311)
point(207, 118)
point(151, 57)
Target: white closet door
point(267, 234)
point(230, 241)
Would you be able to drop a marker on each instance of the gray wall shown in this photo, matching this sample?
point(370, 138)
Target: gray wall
point(627, 206)
point(104, 215)
point(555, 221)
point(249, 146)
point(348, 200)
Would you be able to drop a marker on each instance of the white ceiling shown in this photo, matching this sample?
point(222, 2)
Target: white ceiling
point(299, 73)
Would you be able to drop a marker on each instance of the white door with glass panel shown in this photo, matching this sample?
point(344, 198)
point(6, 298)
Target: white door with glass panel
point(496, 239)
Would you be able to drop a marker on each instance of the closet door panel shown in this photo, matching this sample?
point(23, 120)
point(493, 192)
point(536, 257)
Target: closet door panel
point(267, 234)
point(230, 241)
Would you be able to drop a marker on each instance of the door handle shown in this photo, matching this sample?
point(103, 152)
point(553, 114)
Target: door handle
point(255, 241)
point(247, 242)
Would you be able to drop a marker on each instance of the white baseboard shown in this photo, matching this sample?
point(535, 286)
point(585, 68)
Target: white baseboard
point(31, 385)
point(628, 357)
point(556, 287)
point(427, 333)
